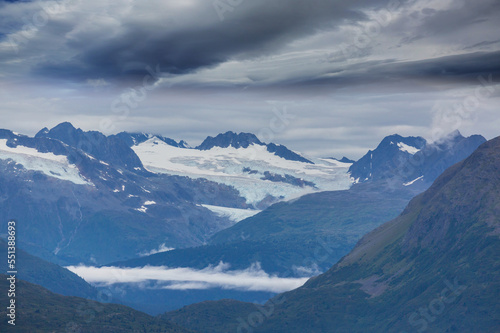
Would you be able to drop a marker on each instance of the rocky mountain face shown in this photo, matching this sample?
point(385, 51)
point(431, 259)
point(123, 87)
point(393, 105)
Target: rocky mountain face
point(244, 140)
point(229, 139)
point(398, 160)
point(390, 154)
point(108, 149)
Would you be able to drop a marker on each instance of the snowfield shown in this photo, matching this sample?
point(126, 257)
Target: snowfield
point(406, 148)
point(56, 166)
point(226, 166)
point(413, 181)
point(234, 214)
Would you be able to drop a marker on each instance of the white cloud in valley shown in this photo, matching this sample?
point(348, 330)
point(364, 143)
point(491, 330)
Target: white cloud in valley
point(184, 278)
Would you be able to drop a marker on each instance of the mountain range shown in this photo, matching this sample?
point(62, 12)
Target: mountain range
point(262, 173)
point(137, 199)
point(433, 268)
point(84, 197)
point(332, 221)
point(82, 187)
point(306, 236)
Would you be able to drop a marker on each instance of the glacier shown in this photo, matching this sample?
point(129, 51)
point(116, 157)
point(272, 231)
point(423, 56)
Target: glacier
point(234, 214)
point(56, 166)
point(227, 166)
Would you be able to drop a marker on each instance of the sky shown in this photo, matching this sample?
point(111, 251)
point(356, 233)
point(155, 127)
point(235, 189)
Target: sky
point(325, 78)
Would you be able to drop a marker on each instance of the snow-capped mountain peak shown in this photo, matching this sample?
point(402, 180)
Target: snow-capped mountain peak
point(405, 160)
point(230, 139)
point(133, 139)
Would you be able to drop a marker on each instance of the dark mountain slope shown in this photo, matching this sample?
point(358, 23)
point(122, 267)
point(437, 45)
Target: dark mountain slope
point(289, 234)
point(210, 315)
point(39, 310)
point(434, 268)
point(51, 276)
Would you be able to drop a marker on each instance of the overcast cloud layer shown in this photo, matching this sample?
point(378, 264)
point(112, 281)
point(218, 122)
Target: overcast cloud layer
point(347, 73)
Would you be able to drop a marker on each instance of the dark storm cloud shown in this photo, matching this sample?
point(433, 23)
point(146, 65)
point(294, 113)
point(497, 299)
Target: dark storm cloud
point(481, 44)
point(444, 22)
point(118, 40)
point(452, 19)
point(197, 39)
point(449, 69)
